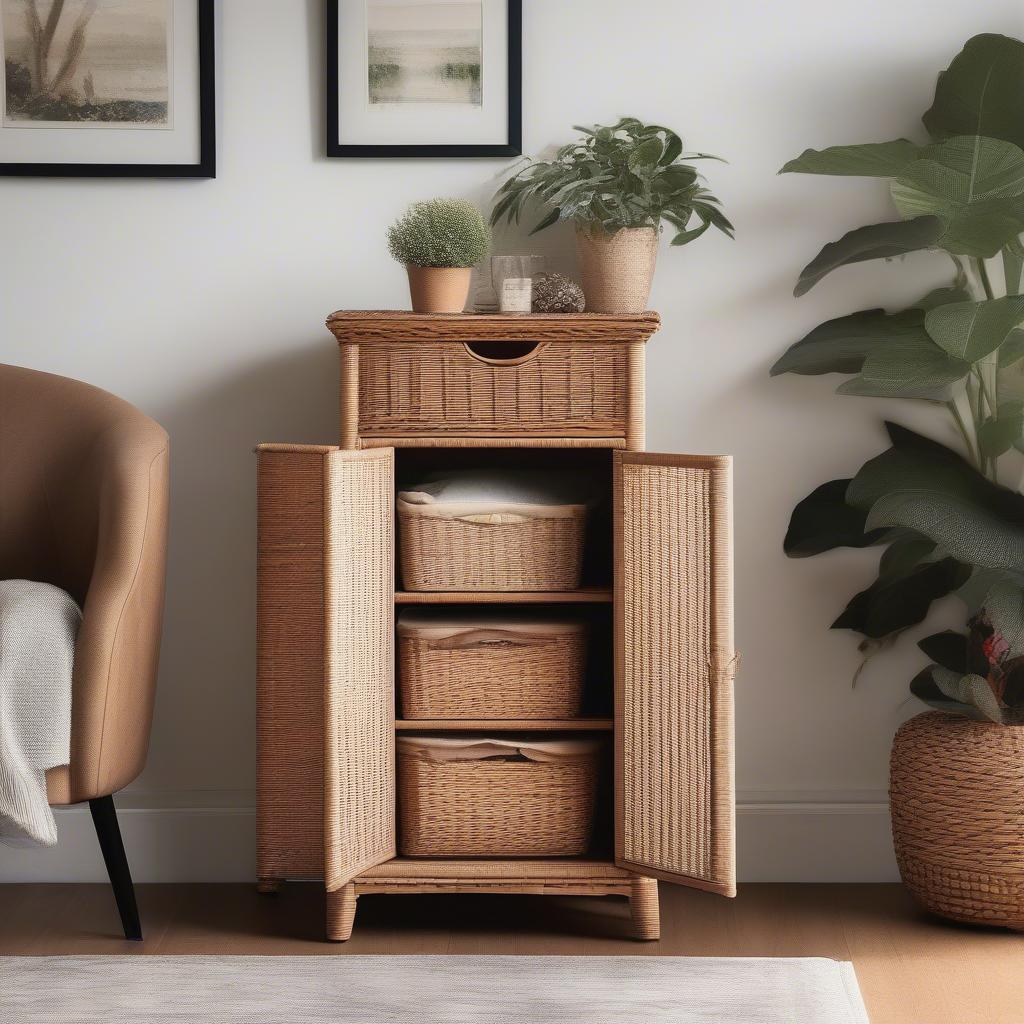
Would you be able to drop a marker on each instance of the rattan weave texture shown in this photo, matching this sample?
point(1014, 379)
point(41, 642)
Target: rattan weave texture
point(290, 662)
point(674, 658)
point(328, 782)
point(388, 326)
point(359, 696)
point(441, 388)
point(492, 674)
point(508, 552)
point(957, 803)
point(495, 808)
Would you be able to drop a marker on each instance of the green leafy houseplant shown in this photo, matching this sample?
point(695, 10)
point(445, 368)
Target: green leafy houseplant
point(617, 182)
point(439, 241)
point(951, 520)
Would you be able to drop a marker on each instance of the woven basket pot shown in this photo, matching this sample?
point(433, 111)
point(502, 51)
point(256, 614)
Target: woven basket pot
point(957, 798)
point(617, 270)
point(439, 289)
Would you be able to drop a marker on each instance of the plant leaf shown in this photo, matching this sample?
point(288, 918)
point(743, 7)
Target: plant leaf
point(677, 177)
point(967, 529)
point(1002, 433)
point(912, 366)
point(689, 235)
point(905, 552)
point(981, 92)
point(892, 604)
point(948, 649)
point(975, 185)
point(925, 686)
point(975, 591)
point(1012, 349)
point(842, 345)
point(547, 221)
point(1004, 609)
point(973, 330)
point(823, 521)
point(673, 147)
point(921, 485)
point(645, 157)
point(871, 159)
point(1013, 685)
point(706, 210)
point(876, 241)
point(969, 689)
point(943, 297)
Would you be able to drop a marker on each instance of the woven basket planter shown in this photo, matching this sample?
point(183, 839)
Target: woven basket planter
point(617, 270)
point(537, 548)
point(957, 797)
point(495, 807)
point(478, 669)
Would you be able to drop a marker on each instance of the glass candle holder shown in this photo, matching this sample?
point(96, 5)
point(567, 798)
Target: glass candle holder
point(517, 272)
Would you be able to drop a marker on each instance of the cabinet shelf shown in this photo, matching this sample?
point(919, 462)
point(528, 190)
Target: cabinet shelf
point(585, 595)
point(503, 725)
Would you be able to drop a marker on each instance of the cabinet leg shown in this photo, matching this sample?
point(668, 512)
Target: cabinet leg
point(269, 886)
point(341, 913)
point(643, 905)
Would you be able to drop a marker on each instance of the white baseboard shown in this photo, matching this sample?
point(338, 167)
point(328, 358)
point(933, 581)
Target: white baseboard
point(211, 837)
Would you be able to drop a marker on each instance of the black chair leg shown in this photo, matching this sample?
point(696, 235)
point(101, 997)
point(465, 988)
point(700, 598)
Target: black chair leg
point(104, 817)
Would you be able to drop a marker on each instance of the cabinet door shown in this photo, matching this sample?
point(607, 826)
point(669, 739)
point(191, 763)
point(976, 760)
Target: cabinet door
point(359, 662)
point(325, 672)
point(290, 660)
point(674, 660)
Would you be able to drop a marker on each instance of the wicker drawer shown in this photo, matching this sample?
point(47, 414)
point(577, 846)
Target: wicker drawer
point(443, 388)
point(496, 807)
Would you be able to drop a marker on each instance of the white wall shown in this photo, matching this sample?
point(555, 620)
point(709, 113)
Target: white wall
point(203, 303)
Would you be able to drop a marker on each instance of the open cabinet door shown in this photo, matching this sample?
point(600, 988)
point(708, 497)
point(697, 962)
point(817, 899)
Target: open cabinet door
point(325, 673)
point(674, 660)
point(359, 662)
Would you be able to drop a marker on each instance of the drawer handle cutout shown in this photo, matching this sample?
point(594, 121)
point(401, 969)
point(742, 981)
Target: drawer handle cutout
point(503, 353)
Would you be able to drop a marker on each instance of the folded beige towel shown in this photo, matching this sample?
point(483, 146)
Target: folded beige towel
point(475, 747)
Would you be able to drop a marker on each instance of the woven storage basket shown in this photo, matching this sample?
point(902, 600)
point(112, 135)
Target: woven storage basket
point(504, 548)
point(957, 797)
point(490, 666)
point(496, 807)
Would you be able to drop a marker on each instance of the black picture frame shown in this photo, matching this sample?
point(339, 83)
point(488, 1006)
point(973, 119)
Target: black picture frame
point(513, 146)
point(207, 164)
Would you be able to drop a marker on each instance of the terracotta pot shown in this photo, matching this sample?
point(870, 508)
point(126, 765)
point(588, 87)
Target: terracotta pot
point(439, 289)
point(617, 270)
point(957, 801)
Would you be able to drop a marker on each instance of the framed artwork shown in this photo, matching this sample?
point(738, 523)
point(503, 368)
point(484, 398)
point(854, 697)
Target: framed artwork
point(107, 88)
point(424, 78)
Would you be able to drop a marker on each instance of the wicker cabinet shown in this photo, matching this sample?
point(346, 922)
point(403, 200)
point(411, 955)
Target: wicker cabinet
point(423, 392)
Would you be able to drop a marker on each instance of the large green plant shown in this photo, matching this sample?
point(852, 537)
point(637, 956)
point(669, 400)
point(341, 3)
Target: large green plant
point(625, 175)
point(948, 519)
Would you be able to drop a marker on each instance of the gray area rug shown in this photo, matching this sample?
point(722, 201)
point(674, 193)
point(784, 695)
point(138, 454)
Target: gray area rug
point(427, 990)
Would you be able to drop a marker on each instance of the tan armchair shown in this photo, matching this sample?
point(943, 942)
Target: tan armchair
point(84, 480)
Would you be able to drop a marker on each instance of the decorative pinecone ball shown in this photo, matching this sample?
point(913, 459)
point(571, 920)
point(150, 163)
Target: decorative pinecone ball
point(556, 293)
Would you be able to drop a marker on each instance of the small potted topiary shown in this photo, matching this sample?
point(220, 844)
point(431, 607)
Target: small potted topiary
point(439, 241)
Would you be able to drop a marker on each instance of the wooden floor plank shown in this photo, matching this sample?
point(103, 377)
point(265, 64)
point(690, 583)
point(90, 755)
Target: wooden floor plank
point(912, 968)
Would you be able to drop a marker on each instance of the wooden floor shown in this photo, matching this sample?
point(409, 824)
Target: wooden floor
point(912, 969)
